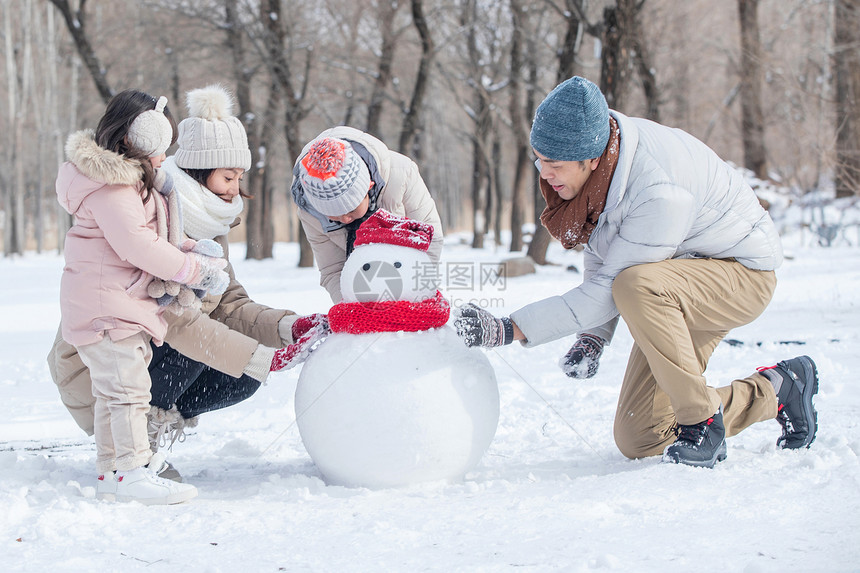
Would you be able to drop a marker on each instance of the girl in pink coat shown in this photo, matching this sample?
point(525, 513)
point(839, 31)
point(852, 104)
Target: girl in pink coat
point(112, 252)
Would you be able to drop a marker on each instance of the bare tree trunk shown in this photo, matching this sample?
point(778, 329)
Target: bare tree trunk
point(18, 75)
point(54, 113)
point(572, 40)
point(295, 111)
point(173, 62)
point(566, 66)
point(235, 46)
point(642, 61)
point(8, 177)
point(489, 174)
point(523, 172)
point(614, 73)
point(479, 193)
point(540, 242)
point(846, 65)
point(496, 187)
point(412, 121)
point(387, 12)
point(258, 228)
point(294, 146)
point(752, 118)
point(258, 236)
point(76, 24)
point(64, 219)
point(480, 172)
point(26, 98)
point(481, 118)
point(260, 209)
point(43, 126)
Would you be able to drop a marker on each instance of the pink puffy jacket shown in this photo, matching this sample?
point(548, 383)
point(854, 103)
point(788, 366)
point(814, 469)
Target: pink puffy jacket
point(112, 250)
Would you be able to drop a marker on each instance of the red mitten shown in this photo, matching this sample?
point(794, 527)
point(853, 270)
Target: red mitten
point(304, 323)
point(294, 354)
point(286, 358)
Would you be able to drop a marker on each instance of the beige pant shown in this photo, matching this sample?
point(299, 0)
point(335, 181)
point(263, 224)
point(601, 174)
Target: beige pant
point(121, 384)
point(678, 311)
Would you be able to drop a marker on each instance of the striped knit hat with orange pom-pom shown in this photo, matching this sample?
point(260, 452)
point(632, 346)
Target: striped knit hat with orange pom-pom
point(334, 177)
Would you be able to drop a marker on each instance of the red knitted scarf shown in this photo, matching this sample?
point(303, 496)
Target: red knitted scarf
point(389, 316)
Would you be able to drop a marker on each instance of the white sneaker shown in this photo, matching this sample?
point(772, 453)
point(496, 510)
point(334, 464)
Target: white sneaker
point(144, 486)
point(106, 487)
point(170, 472)
point(163, 468)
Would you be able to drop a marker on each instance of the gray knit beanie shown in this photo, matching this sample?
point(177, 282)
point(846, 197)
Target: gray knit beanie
point(335, 179)
point(572, 122)
point(211, 138)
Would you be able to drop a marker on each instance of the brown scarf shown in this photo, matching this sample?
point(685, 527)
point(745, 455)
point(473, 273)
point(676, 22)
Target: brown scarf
point(571, 222)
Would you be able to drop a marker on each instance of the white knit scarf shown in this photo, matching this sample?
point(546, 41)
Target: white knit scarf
point(205, 215)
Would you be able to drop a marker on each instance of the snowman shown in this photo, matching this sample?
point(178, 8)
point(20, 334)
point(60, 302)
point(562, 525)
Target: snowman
point(393, 397)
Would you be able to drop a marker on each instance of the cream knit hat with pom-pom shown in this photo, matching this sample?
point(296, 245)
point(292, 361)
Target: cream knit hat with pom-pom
point(211, 137)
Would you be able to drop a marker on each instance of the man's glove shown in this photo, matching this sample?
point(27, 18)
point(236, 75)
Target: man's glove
point(477, 327)
point(297, 352)
point(583, 358)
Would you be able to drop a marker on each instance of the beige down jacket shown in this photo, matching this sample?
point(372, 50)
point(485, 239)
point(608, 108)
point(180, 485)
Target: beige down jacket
point(402, 192)
point(223, 334)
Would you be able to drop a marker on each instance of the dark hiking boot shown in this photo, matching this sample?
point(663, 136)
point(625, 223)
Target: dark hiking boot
point(797, 383)
point(700, 445)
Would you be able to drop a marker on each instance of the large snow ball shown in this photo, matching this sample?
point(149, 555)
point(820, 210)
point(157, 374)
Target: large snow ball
point(395, 408)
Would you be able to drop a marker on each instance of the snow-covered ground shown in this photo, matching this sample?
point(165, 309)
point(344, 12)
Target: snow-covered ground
point(552, 492)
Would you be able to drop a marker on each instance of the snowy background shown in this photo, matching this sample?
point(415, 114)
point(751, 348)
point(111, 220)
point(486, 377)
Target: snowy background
point(551, 494)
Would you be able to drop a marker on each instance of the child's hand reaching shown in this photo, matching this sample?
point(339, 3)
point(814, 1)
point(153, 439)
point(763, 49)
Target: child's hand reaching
point(206, 247)
point(209, 274)
point(204, 273)
point(179, 297)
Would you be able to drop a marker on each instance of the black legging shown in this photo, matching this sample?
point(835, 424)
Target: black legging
point(192, 386)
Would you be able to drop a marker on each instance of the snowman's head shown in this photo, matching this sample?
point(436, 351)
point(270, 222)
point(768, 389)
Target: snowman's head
point(390, 261)
point(377, 273)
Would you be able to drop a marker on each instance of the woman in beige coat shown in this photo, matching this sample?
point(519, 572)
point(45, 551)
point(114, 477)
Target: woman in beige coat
point(217, 350)
point(340, 179)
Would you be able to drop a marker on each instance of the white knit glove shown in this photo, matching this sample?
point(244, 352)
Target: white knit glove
point(204, 273)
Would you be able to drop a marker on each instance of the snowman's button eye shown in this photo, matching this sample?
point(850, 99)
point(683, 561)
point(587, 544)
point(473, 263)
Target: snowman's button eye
point(397, 265)
point(366, 266)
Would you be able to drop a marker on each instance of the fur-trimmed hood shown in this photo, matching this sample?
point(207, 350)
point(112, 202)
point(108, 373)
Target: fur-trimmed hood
point(91, 167)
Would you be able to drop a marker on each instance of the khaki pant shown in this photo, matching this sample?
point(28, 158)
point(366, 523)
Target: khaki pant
point(121, 383)
point(678, 311)
point(73, 381)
